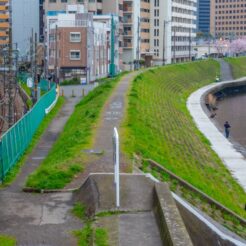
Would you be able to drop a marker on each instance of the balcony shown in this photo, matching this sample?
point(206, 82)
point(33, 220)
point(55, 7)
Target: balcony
point(4, 16)
point(4, 25)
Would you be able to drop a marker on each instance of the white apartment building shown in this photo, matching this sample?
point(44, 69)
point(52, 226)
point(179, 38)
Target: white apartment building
point(131, 31)
point(172, 30)
point(183, 29)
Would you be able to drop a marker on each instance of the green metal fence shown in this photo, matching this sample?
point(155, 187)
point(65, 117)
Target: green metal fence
point(15, 141)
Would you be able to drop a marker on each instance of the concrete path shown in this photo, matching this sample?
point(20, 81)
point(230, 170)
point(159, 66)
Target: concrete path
point(42, 219)
point(234, 160)
point(112, 116)
point(225, 70)
point(139, 229)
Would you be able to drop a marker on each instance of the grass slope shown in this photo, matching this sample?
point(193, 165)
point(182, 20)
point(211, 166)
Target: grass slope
point(160, 127)
point(10, 177)
point(66, 157)
point(238, 66)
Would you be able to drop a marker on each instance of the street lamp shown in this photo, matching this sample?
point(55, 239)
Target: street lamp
point(165, 22)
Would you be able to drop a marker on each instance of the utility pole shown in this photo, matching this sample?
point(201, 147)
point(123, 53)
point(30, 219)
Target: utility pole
point(174, 48)
point(138, 44)
point(35, 69)
point(10, 73)
point(56, 56)
point(164, 41)
point(190, 44)
point(112, 64)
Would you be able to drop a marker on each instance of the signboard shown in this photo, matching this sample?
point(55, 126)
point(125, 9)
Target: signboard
point(29, 82)
point(116, 156)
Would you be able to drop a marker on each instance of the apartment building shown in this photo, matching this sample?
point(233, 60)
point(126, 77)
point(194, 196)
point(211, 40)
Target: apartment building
point(145, 52)
point(228, 18)
point(172, 30)
point(4, 22)
point(160, 31)
point(81, 45)
point(101, 7)
point(131, 37)
point(184, 27)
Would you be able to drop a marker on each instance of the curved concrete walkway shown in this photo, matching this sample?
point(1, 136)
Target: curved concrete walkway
point(234, 160)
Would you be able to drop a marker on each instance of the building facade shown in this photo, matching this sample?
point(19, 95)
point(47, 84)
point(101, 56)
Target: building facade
point(131, 34)
point(228, 18)
point(203, 16)
point(102, 7)
point(172, 30)
point(4, 22)
point(184, 27)
point(79, 44)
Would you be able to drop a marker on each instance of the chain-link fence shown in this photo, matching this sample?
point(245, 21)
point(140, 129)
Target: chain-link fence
point(15, 141)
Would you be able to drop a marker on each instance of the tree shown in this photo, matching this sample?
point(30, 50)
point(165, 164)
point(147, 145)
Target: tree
point(238, 46)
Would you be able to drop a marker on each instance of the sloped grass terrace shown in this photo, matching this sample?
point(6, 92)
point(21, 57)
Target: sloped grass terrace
point(160, 127)
point(238, 65)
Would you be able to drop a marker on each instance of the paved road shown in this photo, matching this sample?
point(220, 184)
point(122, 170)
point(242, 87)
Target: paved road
point(43, 219)
point(225, 70)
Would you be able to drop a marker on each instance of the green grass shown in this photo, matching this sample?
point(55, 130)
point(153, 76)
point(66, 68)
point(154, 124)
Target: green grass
point(7, 241)
point(45, 123)
point(84, 236)
point(238, 65)
point(101, 237)
point(160, 127)
point(79, 210)
point(87, 235)
point(26, 88)
point(66, 157)
point(73, 81)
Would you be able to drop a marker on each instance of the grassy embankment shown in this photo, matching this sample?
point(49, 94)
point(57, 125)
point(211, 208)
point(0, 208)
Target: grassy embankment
point(41, 129)
point(238, 65)
point(66, 157)
point(160, 127)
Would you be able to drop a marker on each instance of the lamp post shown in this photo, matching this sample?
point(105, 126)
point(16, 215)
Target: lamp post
point(165, 22)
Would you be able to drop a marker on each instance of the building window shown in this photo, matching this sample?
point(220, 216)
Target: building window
point(75, 37)
point(75, 55)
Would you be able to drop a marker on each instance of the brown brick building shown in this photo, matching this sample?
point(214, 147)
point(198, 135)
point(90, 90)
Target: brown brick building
point(228, 18)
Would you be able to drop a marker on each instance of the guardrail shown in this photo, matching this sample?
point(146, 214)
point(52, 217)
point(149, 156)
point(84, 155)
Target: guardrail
point(15, 141)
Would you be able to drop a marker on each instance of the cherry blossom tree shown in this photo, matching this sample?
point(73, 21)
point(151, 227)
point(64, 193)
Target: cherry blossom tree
point(238, 46)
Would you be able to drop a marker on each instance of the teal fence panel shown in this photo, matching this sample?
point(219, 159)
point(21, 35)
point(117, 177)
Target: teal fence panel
point(43, 84)
point(16, 140)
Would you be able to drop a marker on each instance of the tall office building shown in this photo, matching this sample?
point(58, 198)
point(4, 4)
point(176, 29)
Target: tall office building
point(228, 18)
point(4, 22)
point(203, 16)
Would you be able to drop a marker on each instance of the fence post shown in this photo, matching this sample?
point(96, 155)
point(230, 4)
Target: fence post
point(1, 163)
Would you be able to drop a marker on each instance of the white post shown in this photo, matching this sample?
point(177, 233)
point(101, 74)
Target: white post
point(116, 166)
